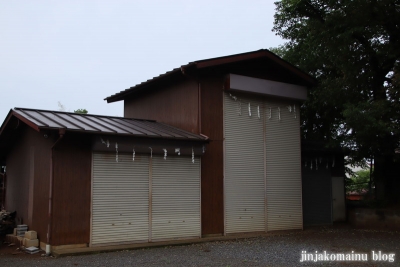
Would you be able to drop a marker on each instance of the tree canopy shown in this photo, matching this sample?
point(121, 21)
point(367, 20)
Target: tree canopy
point(352, 47)
point(359, 182)
point(81, 111)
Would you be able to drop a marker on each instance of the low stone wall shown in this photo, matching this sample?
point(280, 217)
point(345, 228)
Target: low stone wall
point(374, 218)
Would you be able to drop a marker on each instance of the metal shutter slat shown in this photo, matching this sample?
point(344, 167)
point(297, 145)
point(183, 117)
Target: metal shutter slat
point(283, 168)
point(120, 198)
point(244, 166)
point(175, 198)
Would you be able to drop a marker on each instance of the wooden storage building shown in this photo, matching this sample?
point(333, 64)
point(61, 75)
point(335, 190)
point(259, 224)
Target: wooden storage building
point(248, 105)
point(210, 148)
point(89, 180)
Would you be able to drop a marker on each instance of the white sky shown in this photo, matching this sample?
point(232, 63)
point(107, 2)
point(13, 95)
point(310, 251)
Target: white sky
point(79, 52)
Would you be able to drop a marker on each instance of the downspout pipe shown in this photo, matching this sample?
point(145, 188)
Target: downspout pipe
point(61, 134)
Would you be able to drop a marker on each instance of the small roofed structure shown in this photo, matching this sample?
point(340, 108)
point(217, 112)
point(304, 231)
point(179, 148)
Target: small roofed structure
point(64, 169)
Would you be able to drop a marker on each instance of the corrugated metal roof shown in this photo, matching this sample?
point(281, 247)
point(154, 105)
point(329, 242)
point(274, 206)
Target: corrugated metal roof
point(262, 53)
point(168, 73)
point(47, 119)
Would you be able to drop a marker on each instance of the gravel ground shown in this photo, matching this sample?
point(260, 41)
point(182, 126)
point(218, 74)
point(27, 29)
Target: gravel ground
point(283, 249)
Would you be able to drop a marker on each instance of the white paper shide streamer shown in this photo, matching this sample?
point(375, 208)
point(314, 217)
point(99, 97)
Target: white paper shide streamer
point(116, 152)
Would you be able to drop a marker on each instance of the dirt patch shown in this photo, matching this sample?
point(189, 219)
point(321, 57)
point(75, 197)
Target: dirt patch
point(9, 250)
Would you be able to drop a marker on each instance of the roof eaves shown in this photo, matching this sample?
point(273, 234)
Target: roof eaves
point(198, 139)
point(180, 132)
point(26, 121)
point(205, 63)
point(119, 96)
point(296, 70)
point(5, 122)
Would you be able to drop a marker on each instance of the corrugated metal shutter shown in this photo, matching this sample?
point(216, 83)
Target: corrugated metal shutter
point(175, 197)
point(120, 198)
point(317, 197)
point(244, 183)
point(283, 166)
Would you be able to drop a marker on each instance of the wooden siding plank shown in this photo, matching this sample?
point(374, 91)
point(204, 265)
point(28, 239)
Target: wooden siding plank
point(212, 205)
point(175, 105)
point(72, 191)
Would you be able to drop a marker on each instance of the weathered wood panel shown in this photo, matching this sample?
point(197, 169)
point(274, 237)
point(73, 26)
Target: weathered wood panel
point(71, 190)
point(41, 183)
point(19, 174)
point(212, 173)
point(28, 170)
point(176, 105)
point(2, 189)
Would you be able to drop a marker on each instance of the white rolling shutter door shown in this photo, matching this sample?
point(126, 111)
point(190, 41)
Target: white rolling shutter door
point(244, 183)
point(120, 198)
point(175, 197)
point(283, 167)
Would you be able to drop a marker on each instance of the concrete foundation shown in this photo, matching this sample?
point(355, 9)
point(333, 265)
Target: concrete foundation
point(374, 218)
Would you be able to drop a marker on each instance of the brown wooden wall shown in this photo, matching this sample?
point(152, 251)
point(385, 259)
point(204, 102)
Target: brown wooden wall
point(2, 190)
point(28, 172)
point(72, 190)
point(212, 172)
point(176, 105)
point(19, 174)
point(41, 183)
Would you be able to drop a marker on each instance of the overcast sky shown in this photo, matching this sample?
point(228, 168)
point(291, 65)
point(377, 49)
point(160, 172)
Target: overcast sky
point(79, 52)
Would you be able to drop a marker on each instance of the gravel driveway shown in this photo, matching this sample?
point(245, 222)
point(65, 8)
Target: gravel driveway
point(273, 250)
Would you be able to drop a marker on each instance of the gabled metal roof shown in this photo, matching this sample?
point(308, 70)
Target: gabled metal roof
point(88, 123)
point(213, 62)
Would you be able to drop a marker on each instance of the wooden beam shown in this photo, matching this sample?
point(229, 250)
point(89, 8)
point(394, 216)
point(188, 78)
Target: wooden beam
point(265, 87)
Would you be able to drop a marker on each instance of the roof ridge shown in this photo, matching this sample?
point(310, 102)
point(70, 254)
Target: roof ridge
point(80, 114)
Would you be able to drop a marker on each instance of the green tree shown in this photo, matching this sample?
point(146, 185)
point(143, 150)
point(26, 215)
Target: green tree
point(352, 48)
point(81, 111)
point(359, 182)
